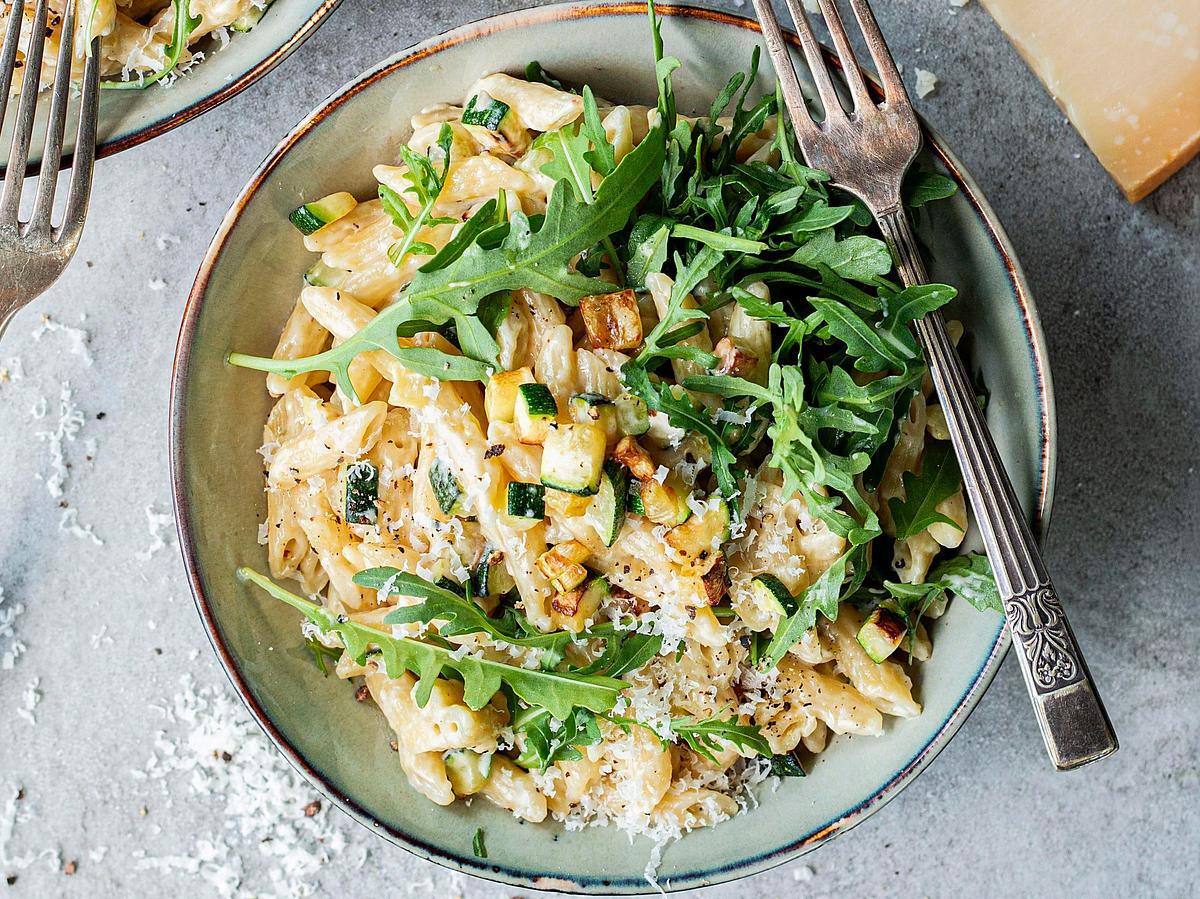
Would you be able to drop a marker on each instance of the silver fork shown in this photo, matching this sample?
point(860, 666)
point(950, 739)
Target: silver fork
point(867, 152)
point(35, 252)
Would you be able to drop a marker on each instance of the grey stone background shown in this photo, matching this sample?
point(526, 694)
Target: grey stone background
point(108, 776)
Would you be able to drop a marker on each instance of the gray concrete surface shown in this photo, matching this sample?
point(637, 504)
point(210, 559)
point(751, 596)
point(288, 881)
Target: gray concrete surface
point(114, 778)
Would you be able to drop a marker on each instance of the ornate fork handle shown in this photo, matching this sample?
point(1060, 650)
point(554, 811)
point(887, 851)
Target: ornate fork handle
point(1074, 723)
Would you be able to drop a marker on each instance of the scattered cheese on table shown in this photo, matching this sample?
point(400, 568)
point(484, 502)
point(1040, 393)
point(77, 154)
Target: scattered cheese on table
point(926, 83)
point(1126, 74)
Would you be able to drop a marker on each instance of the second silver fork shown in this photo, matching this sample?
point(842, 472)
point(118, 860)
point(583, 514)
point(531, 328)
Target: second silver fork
point(867, 152)
point(35, 252)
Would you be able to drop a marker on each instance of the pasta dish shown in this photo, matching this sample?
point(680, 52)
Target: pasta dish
point(604, 457)
point(143, 41)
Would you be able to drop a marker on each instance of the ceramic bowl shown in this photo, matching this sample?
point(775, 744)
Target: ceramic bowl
point(244, 292)
point(129, 118)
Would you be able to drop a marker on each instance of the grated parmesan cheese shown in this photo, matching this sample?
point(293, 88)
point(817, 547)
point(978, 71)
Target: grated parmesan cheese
point(160, 525)
point(17, 811)
point(11, 647)
point(70, 423)
point(77, 338)
point(29, 700)
point(222, 756)
point(926, 83)
point(69, 524)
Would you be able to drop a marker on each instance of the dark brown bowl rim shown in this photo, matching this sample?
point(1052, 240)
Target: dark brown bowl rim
point(506, 874)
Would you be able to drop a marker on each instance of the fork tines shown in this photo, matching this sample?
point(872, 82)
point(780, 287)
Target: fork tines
point(39, 222)
point(894, 93)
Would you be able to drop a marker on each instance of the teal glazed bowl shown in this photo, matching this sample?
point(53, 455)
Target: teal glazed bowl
point(243, 293)
point(129, 118)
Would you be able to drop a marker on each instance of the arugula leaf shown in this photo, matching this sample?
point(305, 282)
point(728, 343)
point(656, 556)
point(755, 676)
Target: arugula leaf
point(925, 187)
point(489, 215)
point(458, 614)
point(322, 654)
point(682, 414)
point(823, 596)
point(663, 67)
point(859, 258)
point(647, 248)
point(602, 156)
point(539, 260)
point(568, 146)
point(704, 736)
point(745, 122)
point(768, 312)
point(546, 744)
point(729, 386)
point(686, 279)
point(726, 243)
point(535, 72)
point(623, 652)
point(839, 388)
point(969, 576)
point(183, 24)
point(434, 363)
point(425, 184)
point(572, 161)
point(558, 692)
point(874, 349)
point(939, 479)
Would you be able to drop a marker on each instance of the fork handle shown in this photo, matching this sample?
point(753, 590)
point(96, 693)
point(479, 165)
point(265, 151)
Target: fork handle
point(1072, 718)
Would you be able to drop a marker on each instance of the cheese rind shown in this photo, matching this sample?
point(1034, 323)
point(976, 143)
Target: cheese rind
point(1126, 74)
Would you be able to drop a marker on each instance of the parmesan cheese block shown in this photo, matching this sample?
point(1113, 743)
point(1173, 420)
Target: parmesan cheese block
point(1127, 74)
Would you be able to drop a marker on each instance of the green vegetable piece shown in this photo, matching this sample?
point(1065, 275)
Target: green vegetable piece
point(362, 493)
point(633, 498)
point(770, 592)
point(467, 770)
point(787, 765)
point(535, 72)
point(526, 500)
point(489, 116)
point(477, 846)
point(312, 217)
point(447, 492)
point(606, 511)
point(633, 417)
point(491, 576)
point(881, 634)
point(647, 248)
point(549, 739)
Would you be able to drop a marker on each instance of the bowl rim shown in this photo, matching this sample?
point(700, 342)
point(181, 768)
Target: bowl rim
point(214, 98)
point(530, 879)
